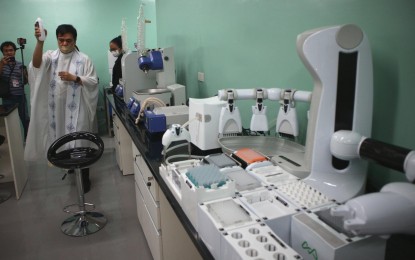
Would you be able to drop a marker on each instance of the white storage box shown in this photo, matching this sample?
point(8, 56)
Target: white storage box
point(272, 209)
point(216, 217)
point(257, 241)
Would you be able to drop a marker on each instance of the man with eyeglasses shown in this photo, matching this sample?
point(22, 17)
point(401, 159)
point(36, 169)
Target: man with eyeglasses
point(64, 94)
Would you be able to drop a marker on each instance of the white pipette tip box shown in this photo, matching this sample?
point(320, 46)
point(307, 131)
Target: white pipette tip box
point(303, 195)
point(212, 185)
point(273, 175)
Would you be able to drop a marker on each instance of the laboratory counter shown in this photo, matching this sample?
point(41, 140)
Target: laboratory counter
point(150, 147)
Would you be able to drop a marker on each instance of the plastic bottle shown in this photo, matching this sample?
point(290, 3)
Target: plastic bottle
point(39, 23)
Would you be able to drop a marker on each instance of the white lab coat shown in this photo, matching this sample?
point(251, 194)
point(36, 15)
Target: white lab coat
point(59, 107)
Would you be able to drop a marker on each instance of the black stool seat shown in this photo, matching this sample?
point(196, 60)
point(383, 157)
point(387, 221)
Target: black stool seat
point(78, 157)
point(83, 222)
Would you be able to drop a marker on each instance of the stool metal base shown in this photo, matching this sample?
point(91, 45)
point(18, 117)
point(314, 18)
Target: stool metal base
point(4, 195)
point(83, 224)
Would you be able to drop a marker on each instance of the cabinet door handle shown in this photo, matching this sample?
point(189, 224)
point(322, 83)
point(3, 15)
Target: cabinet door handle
point(149, 179)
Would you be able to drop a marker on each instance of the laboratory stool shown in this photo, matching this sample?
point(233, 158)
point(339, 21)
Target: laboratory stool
point(83, 222)
point(4, 195)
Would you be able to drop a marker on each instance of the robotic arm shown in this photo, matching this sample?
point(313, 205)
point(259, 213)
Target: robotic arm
point(347, 145)
point(389, 211)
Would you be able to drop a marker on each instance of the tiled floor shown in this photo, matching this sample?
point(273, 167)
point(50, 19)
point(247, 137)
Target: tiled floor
point(30, 227)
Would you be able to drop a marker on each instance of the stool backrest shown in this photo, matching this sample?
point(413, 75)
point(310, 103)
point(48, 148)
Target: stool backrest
point(78, 157)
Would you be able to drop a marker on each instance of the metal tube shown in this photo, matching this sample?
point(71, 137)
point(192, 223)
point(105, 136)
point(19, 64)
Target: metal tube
point(80, 188)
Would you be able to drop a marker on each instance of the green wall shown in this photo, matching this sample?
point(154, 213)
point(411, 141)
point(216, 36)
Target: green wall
point(243, 44)
point(252, 43)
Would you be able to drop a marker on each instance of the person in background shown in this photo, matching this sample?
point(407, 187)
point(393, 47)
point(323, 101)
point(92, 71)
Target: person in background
point(117, 51)
point(64, 94)
point(10, 67)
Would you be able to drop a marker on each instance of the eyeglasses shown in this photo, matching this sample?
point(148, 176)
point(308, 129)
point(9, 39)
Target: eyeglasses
point(62, 40)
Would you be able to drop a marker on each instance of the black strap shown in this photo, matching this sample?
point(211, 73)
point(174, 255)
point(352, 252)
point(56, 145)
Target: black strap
point(11, 71)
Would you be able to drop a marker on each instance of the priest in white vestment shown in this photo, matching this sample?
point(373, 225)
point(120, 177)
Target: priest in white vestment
point(64, 93)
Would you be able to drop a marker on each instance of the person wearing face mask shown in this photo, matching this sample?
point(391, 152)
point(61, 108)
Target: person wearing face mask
point(116, 50)
point(64, 94)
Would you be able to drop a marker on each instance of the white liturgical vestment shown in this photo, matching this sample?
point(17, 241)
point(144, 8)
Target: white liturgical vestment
point(59, 107)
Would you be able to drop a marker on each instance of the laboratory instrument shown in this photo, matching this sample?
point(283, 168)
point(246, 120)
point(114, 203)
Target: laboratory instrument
point(133, 78)
point(175, 133)
point(287, 122)
point(154, 123)
point(259, 121)
point(157, 77)
point(204, 129)
point(230, 122)
point(159, 69)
